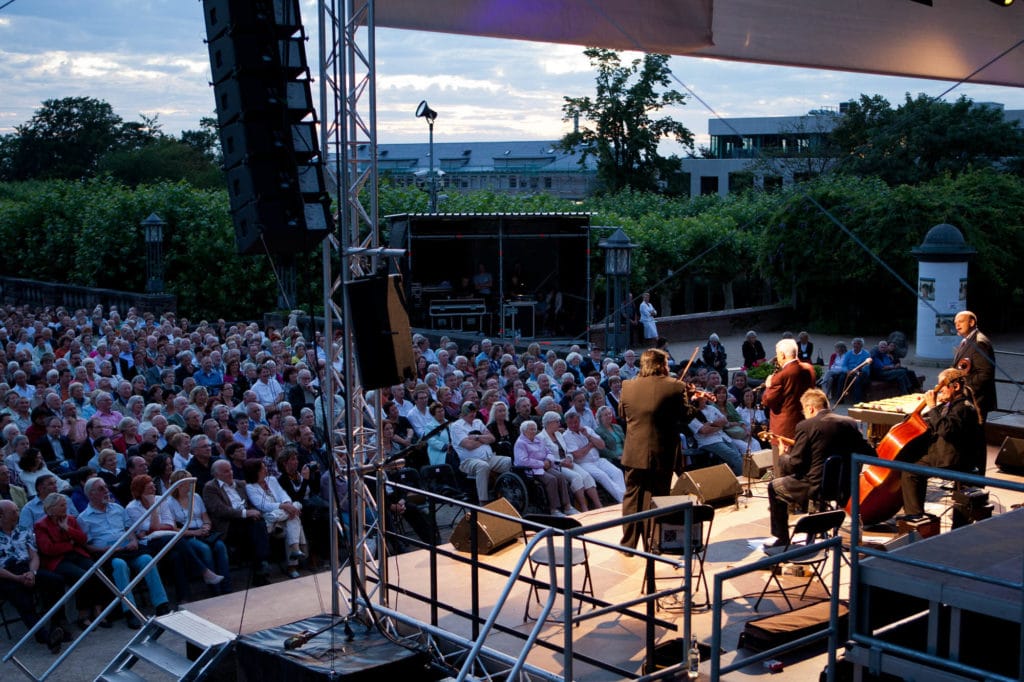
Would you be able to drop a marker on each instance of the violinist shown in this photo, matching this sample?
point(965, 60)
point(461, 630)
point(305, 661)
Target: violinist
point(653, 407)
point(782, 398)
point(955, 439)
point(820, 435)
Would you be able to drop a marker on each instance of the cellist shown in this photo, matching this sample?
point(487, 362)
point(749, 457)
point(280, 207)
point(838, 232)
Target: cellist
point(956, 438)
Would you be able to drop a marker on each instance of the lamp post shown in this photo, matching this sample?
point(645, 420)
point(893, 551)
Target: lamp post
point(153, 231)
point(617, 250)
point(424, 111)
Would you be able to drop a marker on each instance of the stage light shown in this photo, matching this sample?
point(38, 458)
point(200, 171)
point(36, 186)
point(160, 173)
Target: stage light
point(424, 111)
point(1002, 3)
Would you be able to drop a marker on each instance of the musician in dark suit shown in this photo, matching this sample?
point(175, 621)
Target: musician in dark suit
point(976, 356)
point(58, 451)
point(782, 398)
point(653, 407)
point(955, 439)
point(819, 436)
point(230, 514)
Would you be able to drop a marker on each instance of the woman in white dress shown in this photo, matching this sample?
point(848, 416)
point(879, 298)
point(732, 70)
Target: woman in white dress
point(647, 315)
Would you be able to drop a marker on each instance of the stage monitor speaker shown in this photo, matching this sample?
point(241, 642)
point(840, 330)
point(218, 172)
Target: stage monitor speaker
point(492, 533)
point(382, 335)
point(757, 463)
point(714, 485)
point(1010, 457)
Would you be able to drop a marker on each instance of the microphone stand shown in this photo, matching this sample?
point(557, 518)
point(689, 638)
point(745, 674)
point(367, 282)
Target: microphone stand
point(851, 379)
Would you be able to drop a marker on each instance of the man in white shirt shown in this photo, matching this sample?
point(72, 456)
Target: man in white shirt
point(579, 406)
point(419, 416)
point(472, 443)
point(583, 444)
point(398, 396)
point(710, 435)
point(267, 389)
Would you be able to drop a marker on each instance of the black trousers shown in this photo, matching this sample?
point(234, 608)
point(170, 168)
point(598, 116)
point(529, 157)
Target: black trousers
point(48, 585)
point(251, 535)
point(641, 486)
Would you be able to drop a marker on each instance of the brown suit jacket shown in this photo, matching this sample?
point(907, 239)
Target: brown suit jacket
point(218, 506)
point(654, 410)
point(782, 398)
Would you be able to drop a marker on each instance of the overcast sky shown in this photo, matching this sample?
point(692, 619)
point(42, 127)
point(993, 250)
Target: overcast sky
point(148, 56)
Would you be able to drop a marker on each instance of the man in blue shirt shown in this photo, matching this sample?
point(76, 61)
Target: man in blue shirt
point(104, 522)
point(208, 377)
point(854, 359)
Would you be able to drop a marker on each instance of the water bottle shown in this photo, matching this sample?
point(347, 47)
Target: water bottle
point(694, 669)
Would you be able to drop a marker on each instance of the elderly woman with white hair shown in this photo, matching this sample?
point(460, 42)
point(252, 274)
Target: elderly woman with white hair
point(531, 453)
point(714, 357)
point(581, 483)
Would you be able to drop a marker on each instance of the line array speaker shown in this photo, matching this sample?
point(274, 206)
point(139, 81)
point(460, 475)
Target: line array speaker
point(267, 124)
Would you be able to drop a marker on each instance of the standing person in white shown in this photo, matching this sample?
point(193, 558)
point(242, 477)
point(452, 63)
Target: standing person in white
point(647, 315)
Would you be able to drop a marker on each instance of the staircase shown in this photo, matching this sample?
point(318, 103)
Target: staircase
point(210, 640)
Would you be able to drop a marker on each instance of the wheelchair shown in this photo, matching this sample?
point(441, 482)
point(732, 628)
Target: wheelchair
point(522, 491)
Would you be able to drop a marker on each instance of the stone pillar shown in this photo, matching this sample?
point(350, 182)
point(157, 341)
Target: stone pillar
point(941, 290)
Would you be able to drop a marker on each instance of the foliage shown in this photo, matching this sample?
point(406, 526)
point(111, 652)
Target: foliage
point(88, 233)
point(80, 137)
point(65, 138)
point(923, 139)
point(624, 137)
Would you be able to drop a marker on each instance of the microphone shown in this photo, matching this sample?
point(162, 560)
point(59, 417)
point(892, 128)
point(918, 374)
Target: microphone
point(861, 365)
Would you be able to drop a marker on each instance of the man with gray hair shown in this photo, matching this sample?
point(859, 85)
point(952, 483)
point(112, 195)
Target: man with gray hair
point(782, 398)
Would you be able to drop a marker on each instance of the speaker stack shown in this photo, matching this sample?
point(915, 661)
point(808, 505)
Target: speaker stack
point(261, 82)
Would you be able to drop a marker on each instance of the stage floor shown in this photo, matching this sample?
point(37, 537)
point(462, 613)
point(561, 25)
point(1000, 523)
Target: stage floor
point(615, 638)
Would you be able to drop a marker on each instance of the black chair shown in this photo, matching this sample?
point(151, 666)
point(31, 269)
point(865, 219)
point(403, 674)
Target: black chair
point(834, 492)
point(542, 557)
point(6, 620)
point(703, 518)
point(440, 479)
point(814, 527)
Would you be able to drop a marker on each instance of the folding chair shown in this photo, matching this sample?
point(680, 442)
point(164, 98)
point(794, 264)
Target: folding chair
point(703, 518)
point(815, 527)
point(542, 558)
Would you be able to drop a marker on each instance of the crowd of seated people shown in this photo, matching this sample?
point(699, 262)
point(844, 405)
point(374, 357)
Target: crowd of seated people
point(109, 411)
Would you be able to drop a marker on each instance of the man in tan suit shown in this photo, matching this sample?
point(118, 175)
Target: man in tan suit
point(654, 407)
point(231, 515)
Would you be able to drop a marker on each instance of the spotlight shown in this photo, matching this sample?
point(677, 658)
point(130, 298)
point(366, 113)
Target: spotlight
point(1002, 3)
point(424, 111)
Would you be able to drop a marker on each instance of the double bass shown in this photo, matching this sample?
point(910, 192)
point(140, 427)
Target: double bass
point(880, 495)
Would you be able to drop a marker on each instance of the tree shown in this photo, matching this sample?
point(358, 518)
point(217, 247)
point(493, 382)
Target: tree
point(206, 141)
point(165, 158)
point(65, 138)
point(624, 137)
point(923, 139)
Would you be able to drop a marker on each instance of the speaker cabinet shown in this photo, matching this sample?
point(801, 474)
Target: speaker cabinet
point(714, 485)
point(1010, 457)
point(380, 325)
point(756, 464)
point(492, 533)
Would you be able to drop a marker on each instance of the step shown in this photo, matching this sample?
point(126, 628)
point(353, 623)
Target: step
point(161, 657)
point(196, 630)
point(121, 676)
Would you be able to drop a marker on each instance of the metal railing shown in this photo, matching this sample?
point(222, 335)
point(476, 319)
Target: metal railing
point(119, 594)
point(20, 291)
point(482, 629)
point(880, 646)
point(832, 545)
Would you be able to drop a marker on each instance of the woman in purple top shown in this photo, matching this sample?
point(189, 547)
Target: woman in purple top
point(531, 453)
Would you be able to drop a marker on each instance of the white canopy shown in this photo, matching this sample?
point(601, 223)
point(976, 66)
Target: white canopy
point(947, 41)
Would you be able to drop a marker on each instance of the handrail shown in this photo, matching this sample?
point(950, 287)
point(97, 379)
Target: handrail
point(878, 645)
point(120, 595)
point(833, 544)
point(490, 625)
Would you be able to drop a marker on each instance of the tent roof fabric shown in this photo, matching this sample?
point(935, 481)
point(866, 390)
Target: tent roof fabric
point(947, 41)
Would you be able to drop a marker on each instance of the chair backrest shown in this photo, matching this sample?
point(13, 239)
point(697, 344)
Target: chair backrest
point(406, 476)
point(819, 525)
point(434, 477)
point(835, 480)
point(702, 513)
point(559, 522)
